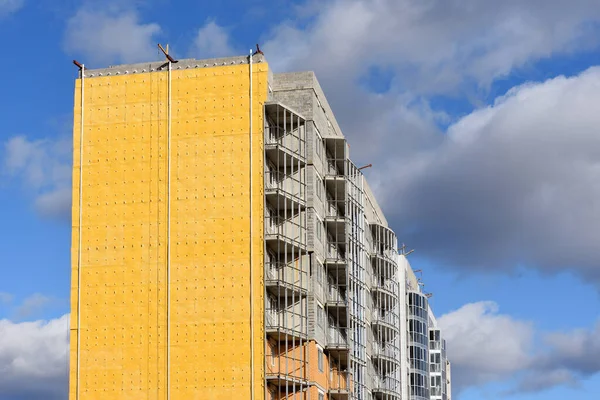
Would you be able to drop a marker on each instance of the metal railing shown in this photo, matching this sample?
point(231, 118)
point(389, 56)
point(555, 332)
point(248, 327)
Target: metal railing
point(293, 321)
point(386, 383)
point(340, 381)
point(435, 345)
point(386, 284)
point(435, 368)
point(386, 351)
point(278, 180)
point(386, 317)
point(388, 254)
point(335, 295)
point(290, 140)
point(337, 336)
point(276, 225)
point(335, 208)
point(331, 169)
point(286, 273)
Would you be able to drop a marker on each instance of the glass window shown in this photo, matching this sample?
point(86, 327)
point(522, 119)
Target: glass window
point(320, 360)
point(318, 187)
point(319, 234)
point(319, 145)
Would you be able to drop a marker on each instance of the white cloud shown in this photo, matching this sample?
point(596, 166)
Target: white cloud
point(484, 345)
point(10, 6)
point(433, 46)
point(508, 184)
point(212, 40)
point(577, 350)
point(44, 167)
point(511, 183)
point(33, 359)
point(537, 381)
point(111, 35)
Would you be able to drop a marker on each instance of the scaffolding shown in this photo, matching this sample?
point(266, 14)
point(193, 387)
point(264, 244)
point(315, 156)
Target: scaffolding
point(345, 272)
point(286, 258)
point(385, 320)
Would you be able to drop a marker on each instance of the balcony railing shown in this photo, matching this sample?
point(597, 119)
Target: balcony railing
point(286, 274)
point(335, 295)
point(287, 139)
point(331, 169)
point(386, 284)
point(337, 337)
point(435, 368)
point(335, 252)
point(340, 381)
point(386, 351)
point(388, 318)
point(388, 254)
point(277, 180)
point(335, 209)
point(435, 345)
point(285, 228)
point(286, 320)
point(386, 383)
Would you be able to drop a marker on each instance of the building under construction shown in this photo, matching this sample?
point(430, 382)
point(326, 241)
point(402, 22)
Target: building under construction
point(226, 247)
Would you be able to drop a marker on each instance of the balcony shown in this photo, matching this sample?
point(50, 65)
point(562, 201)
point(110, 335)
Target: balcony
point(336, 303)
point(386, 387)
point(335, 224)
point(386, 292)
point(340, 385)
point(386, 353)
point(285, 280)
point(337, 338)
point(285, 135)
point(284, 192)
point(286, 366)
point(338, 345)
point(336, 154)
point(435, 368)
point(285, 325)
point(435, 345)
point(384, 267)
point(284, 381)
point(284, 149)
point(284, 236)
point(385, 322)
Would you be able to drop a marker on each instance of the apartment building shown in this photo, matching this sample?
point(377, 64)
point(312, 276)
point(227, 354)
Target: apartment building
point(225, 246)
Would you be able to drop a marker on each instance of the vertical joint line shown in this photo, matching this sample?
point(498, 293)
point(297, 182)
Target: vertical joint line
point(168, 378)
point(251, 246)
point(80, 235)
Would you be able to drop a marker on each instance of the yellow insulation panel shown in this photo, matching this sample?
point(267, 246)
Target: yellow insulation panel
point(125, 236)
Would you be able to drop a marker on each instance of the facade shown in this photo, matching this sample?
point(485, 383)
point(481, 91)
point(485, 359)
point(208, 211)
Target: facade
point(225, 246)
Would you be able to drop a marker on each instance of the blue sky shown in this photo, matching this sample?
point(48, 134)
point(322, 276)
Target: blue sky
point(480, 119)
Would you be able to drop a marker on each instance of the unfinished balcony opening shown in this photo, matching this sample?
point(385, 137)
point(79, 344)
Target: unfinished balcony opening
point(285, 136)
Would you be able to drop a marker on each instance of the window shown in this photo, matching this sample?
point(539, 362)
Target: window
point(318, 145)
point(319, 228)
point(319, 187)
point(320, 316)
point(273, 354)
point(320, 360)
